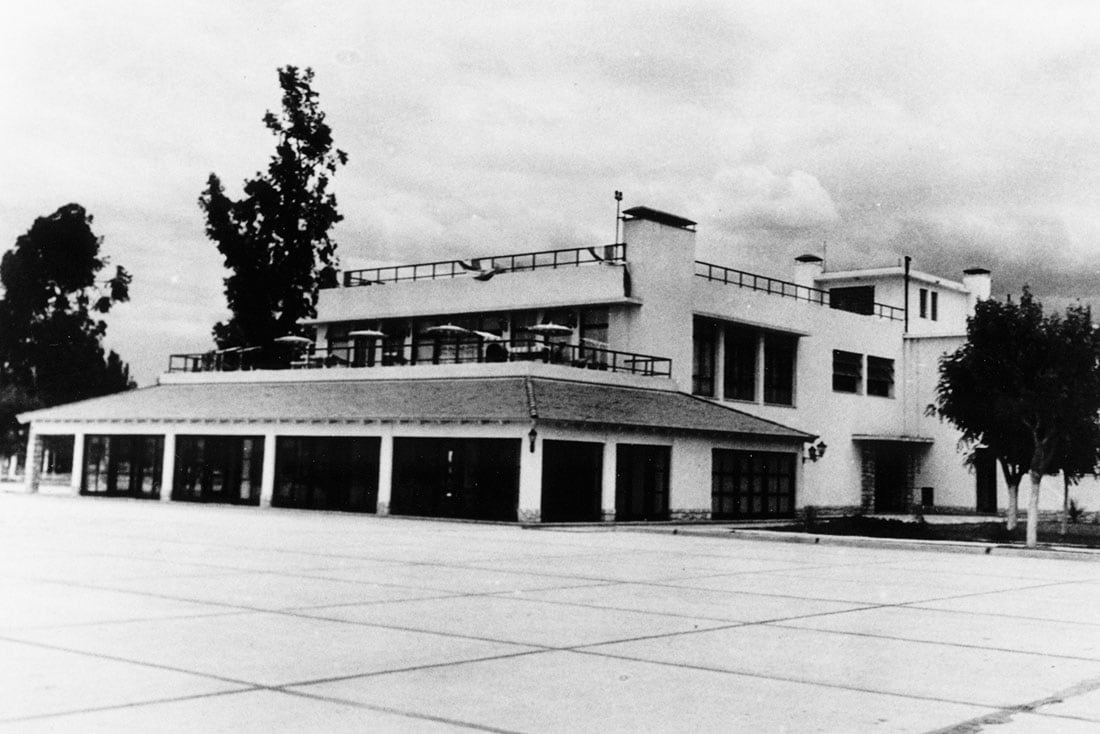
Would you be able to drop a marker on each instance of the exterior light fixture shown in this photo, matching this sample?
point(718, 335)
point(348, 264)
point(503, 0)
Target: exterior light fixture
point(532, 435)
point(814, 451)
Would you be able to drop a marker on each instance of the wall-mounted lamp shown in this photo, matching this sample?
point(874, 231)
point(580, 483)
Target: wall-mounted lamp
point(814, 451)
point(532, 435)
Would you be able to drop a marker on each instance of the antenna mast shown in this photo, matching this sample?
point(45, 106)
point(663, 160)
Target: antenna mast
point(618, 217)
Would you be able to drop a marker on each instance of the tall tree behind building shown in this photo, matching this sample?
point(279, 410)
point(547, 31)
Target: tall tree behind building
point(51, 326)
point(275, 240)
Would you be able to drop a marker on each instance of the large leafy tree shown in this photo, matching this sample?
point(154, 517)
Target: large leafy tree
point(1025, 385)
point(275, 240)
point(51, 325)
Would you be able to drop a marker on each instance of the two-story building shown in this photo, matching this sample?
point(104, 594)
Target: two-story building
point(616, 382)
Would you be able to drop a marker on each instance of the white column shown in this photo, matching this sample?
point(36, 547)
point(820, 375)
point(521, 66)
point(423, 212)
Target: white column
point(168, 467)
point(530, 479)
point(607, 501)
point(32, 467)
point(267, 478)
point(78, 462)
point(758, 396)
point(720, 362)
point(385, 474)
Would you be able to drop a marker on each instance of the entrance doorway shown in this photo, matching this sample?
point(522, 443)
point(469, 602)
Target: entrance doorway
point(985, 481)
point(891, 489)
point(641, 482)
point(572, 474)
point(474, 478)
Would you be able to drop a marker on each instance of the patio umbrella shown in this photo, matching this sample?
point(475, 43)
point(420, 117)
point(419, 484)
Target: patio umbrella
point(550, 329)
point(293, 339)
point(595, 343)
point(367, 333)
point(488, 336)
point(446, 329)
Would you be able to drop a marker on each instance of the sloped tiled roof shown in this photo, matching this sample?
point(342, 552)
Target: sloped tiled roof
point(508, 399)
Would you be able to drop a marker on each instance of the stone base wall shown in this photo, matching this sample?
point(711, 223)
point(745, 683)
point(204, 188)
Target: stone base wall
point(689, 514)
point(529, 515)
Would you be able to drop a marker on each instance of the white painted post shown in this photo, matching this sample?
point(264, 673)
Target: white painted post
point(530, 479)
point(385, 474)
point(267, 478)
point(758, 393)
point(607, 500)
point(34, 456)
point(720, 363)
point(78, 462)
point(168, 467)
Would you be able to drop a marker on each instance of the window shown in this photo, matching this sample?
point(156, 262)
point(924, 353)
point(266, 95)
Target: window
point(739, 374)
point(847, 371)
point(123, 465)
point(880, 377)
point(746, 484)
point(779, 368)
point(935, 305)
point(857, 299)
point(924, 303)
point(704, 343)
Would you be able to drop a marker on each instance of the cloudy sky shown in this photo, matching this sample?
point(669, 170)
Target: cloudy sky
point(961, 133)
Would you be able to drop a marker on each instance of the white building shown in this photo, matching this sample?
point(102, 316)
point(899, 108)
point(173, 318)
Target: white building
point(625, 382)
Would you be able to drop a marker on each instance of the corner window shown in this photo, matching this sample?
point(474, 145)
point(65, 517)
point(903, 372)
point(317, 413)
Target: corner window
point(935, 306)
point(704, 344)
point(880, 376)
point(847, 371)
point(857, 299)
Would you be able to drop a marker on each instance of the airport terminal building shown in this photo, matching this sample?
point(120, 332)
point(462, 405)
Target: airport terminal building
point(622, 382)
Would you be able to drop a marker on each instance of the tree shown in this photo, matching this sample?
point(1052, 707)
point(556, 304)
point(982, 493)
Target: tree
point(1026, 386)
point(275, 241)
point(51, 328)
point(1078, 455)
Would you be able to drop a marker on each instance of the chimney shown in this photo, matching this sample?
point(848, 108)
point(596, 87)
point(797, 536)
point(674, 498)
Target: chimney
point(807, 268)
point(980, 284)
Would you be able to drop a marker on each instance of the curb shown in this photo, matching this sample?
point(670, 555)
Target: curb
point(861, 541)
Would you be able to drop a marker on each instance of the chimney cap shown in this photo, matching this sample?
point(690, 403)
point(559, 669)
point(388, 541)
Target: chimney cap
point(653, 215)
point(809, 259)
point(976, 271)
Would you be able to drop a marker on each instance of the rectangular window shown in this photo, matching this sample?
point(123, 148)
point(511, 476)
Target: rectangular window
point(123, 465)
point(924, 303)
point(739, 374)
point(219, 469)
point(857, 299)
point(751, 484)
point(935, 306)
point(704, 344)
point(880, 377)
point(779, 368)
point(847, 371)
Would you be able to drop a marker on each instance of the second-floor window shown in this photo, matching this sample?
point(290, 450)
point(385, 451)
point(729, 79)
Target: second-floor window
point(847, 371)
point(880, 377)
point(929, 304)
point(751, 364)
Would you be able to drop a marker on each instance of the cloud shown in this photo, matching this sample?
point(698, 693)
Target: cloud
point(755, 198)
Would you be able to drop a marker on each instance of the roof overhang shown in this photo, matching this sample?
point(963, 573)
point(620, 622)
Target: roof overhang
point(891, 438)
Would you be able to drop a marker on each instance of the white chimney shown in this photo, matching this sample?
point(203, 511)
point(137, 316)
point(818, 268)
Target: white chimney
point(980, 284)
point(807, 269)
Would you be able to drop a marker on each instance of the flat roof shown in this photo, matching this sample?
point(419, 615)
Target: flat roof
point(446, 400)
point(654, 215)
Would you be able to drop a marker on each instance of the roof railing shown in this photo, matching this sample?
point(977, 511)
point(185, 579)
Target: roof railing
point(484, 268)
point(463, 349)
point(787, 289)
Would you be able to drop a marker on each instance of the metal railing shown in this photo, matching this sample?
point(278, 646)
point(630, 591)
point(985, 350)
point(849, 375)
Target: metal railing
point(485, 268)
point(784, 288)
point(422, 351)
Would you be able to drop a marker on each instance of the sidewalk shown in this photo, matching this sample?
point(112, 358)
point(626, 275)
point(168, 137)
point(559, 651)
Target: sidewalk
point(122, 615)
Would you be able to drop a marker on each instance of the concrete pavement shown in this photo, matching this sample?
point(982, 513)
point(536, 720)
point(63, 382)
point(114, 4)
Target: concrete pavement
point(122, 615)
